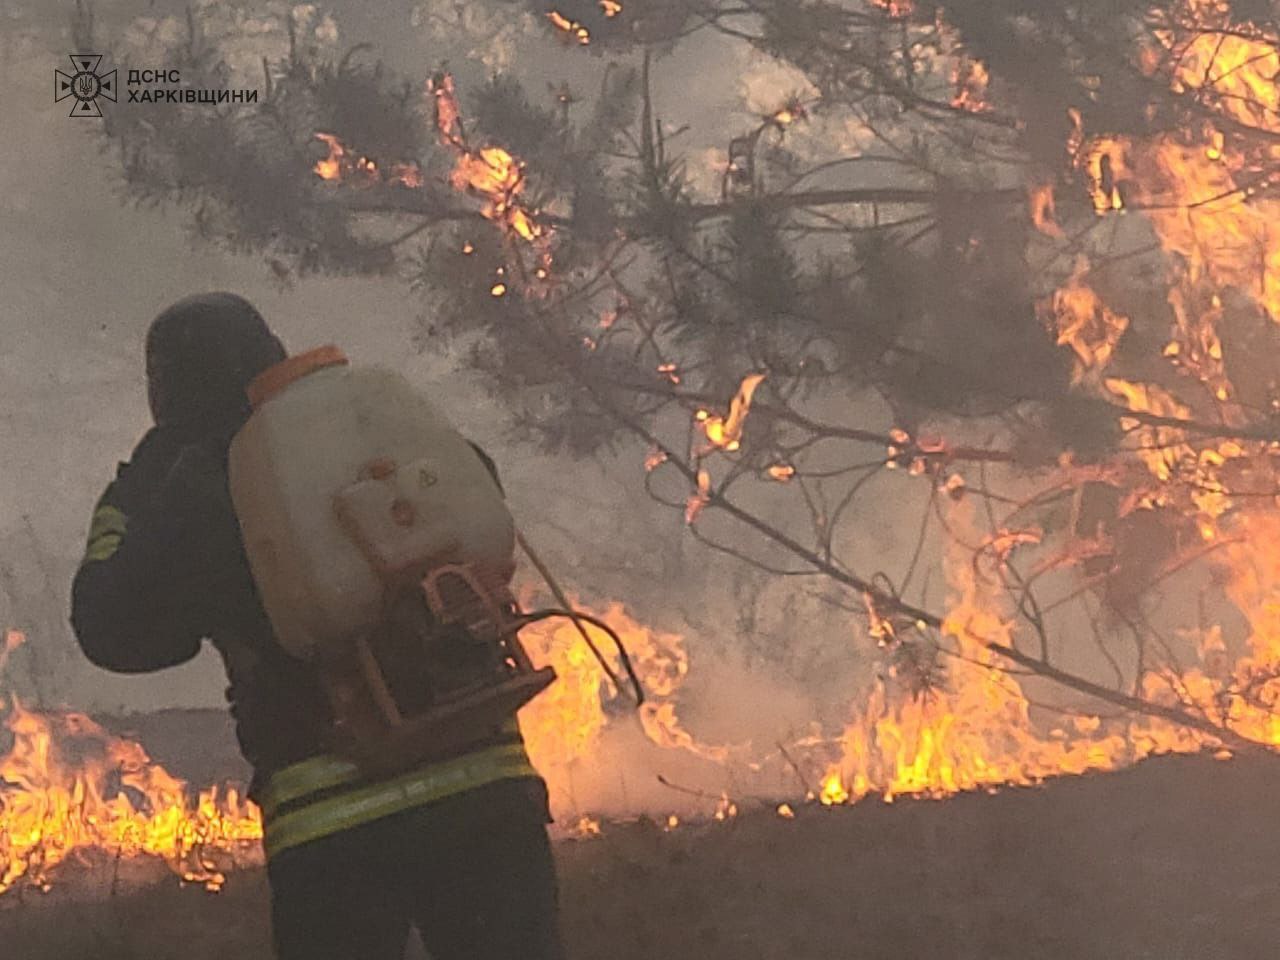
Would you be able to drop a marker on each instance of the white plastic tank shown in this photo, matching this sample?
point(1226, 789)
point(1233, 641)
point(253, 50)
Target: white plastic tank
point(347, 480)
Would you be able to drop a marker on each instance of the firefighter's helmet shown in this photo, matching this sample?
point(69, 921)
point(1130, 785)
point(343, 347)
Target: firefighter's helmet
point(202, 352)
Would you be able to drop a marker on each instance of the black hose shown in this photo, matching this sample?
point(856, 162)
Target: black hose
point(537, 615)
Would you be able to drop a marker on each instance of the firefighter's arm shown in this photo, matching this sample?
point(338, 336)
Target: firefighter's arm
point(136, 603)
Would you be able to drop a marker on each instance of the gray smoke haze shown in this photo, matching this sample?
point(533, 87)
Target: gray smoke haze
point(84, 273)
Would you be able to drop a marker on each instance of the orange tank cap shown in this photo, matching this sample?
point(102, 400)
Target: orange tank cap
point(275, 378)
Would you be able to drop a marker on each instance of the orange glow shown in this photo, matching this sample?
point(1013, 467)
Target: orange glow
point(974, 732)
point(445, 102)
point(896, 8)
point(490, 173)
point(13, 639)
point(570, 28)
point(1201, 198)
point(1084, 323)
point(697, 501)
point(73, 789)
point(563, 727)
point(790, 112)
point(587, 828)
point(971, 80)
point(1044, 211)
point(330, 168)
point(341, 166)
point(1105, 162)
point(725, 433)
point(654, 459)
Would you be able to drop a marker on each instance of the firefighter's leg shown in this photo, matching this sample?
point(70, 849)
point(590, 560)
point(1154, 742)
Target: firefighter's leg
point(493, 897)
point(338, 899)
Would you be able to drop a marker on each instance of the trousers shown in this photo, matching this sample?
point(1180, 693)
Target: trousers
point(477, 881)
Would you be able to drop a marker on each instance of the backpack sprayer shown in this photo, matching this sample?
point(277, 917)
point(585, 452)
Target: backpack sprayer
point(383, 551)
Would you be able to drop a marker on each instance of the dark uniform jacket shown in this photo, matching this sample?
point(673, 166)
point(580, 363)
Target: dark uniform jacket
point(165, 568)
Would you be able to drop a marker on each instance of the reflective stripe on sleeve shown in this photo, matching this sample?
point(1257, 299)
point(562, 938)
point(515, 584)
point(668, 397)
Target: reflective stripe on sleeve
point(105, 532)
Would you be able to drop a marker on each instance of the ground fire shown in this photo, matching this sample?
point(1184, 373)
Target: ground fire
point(75, 792)
point(988, 430)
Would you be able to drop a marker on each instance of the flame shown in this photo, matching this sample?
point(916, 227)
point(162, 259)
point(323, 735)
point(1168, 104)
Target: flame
point(1204, 196)
point(1205, 200)
point(1084, 323)
point(563, 727)
point(330, 168)
point(490, 172)
point(1044, 211)
point(896, 8)
point(1160, 447)
point(973, 732)
point(725, 433)
point(790, 112)
point(341, 166)
point(69, 790)
point(971, 80)
point(698, 500)
point(586, 828)
point(570, 28)
point(653, 460)
point(72, 788)
point(1105, 163)
point(444, 98)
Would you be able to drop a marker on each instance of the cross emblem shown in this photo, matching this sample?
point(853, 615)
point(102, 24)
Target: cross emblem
point(85, 85)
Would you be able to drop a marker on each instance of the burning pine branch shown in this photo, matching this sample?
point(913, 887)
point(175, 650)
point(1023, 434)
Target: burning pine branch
point(1105, 314)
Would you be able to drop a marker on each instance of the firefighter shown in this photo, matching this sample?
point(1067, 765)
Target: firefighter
point(457, 848)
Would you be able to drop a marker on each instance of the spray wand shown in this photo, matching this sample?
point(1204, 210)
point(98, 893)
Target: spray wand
point(580, 620)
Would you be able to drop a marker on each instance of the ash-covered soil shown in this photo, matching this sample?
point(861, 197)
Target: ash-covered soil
point(1176, 859)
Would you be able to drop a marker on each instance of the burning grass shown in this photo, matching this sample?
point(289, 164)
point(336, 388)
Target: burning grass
point(1173, 859)
point(75, 792)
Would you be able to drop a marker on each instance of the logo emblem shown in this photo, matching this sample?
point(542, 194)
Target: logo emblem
point(85, 85)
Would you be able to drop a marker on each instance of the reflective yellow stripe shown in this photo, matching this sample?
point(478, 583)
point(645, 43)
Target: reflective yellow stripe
point(321, 773)
point(318, 773)
point(105, 532)
point(107, 519)
point(366, 804)
point(103, 548)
